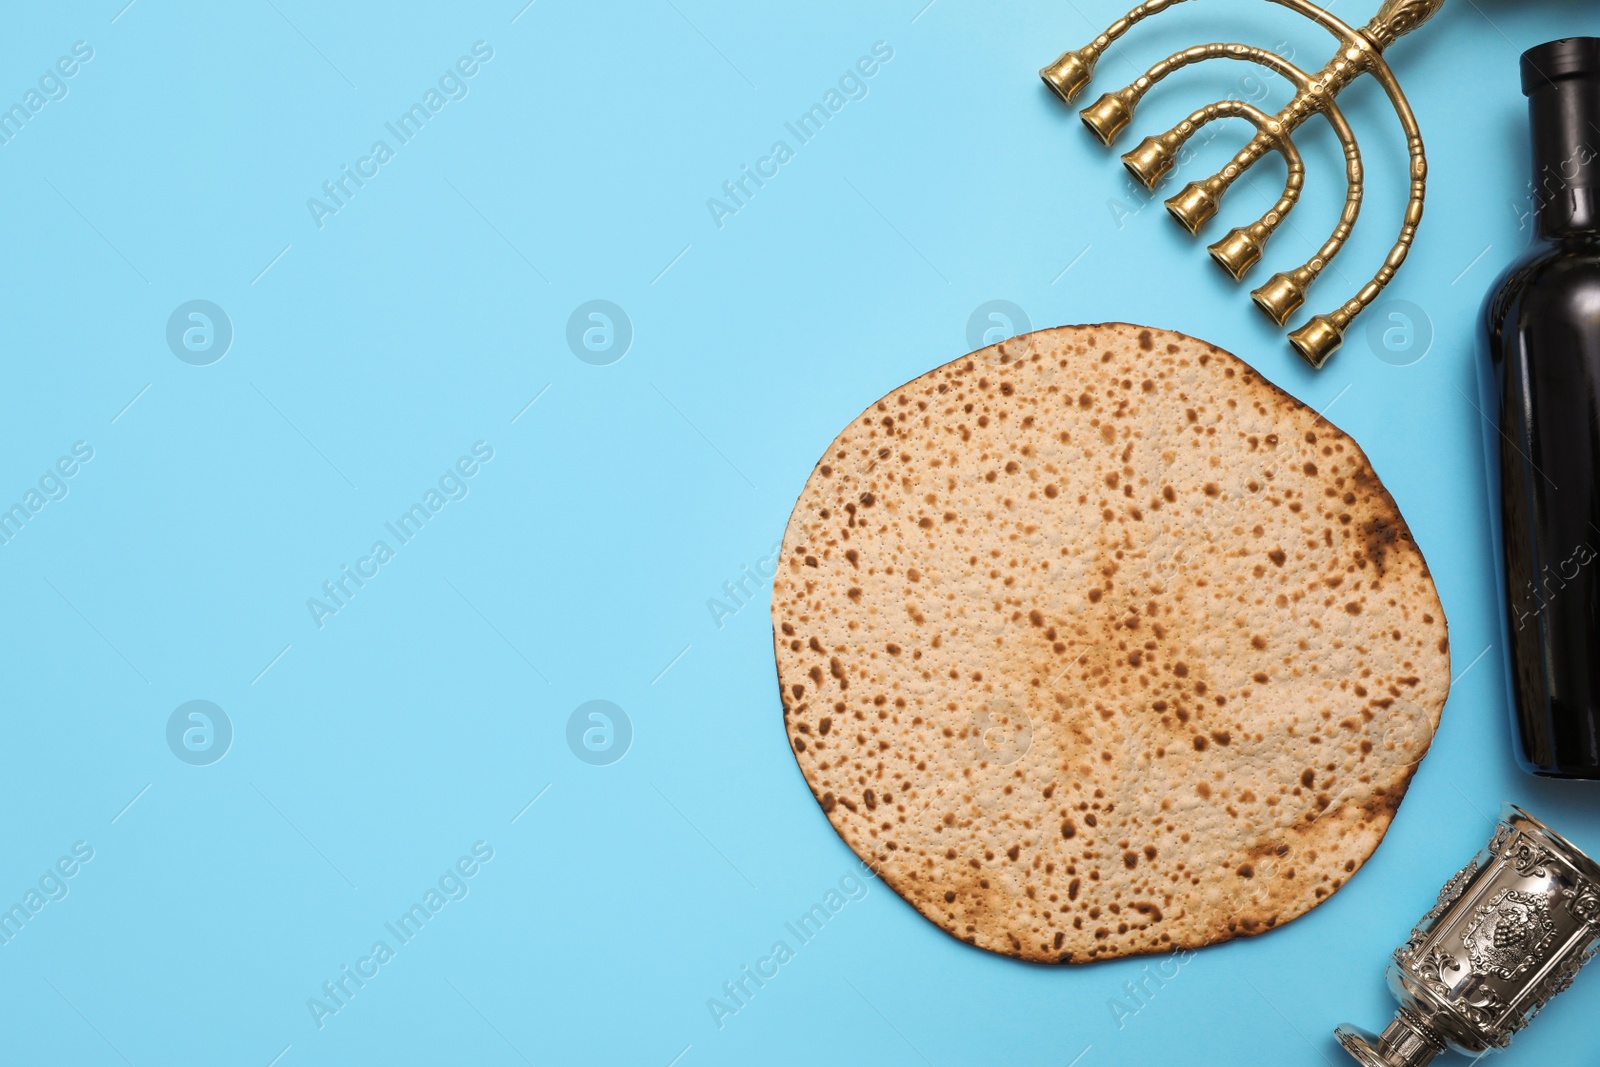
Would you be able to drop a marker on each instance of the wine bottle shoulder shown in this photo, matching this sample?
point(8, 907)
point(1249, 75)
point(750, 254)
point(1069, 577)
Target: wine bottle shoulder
point(1553, 282)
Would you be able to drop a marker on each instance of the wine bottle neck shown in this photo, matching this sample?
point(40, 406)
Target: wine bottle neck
point(1562, 82)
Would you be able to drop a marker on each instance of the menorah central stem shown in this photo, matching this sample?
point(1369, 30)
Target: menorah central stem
point(1313, 98)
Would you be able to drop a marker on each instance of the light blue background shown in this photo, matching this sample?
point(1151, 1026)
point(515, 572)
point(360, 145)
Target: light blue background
point(370, 353)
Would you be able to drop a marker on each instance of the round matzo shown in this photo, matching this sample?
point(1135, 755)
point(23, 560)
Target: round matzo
point(1096, 643)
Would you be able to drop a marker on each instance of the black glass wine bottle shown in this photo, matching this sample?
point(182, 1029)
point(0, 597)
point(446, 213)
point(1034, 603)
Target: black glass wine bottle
point(1540, 376)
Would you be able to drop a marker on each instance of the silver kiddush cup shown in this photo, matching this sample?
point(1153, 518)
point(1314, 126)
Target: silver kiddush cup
point(1509, 932)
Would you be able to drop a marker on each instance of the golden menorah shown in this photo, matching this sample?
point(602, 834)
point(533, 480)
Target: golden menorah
point(1360, 52)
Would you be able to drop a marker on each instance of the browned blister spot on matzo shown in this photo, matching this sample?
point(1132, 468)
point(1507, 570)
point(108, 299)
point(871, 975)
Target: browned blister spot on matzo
point(1097, 644)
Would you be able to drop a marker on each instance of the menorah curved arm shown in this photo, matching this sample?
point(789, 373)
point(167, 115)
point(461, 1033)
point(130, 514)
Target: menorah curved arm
point(1283, 143)
point(1155, 156)
point(1233, 251)
point(1322, 335)
point(1072, 69)
point(1284, 292)
point(1332, 23)
point(1109, 116)
point(1243, 246)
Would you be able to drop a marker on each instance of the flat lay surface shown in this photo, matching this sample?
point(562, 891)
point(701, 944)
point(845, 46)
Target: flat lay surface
point(403, 410)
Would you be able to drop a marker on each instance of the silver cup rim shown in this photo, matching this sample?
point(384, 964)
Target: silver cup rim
point(1514, 815)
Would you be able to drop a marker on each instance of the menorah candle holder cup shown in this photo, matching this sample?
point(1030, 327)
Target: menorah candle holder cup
point(1509, 932)
point(1360, 53)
